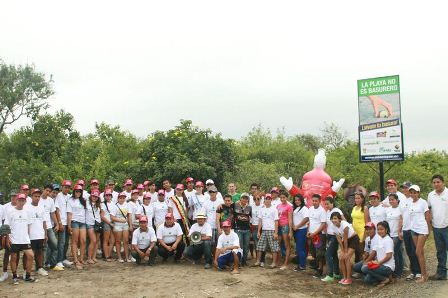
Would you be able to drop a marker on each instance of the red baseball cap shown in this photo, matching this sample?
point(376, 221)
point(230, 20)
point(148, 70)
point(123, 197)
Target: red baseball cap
point(189, 179)
point(268, 195)
point(275, 189)
point(95, 193)
point(226, 224)
point(147, 196)
point(122, 194)
point(199, 183)
point(94, 181)
point(146, 183)
point(24, 187)
point(161, 192)
point(67, 183)
point(134, 191)
point(21, 196)
point(370, 225)
point(374, 194)
point(391, 181)
point(180, 186)
point(169, 215)
point(107, 192)
point(77, 187)
point(143, 219)
point(81, 182)
point(140, 186)
point(34, 190)
point(128, 182)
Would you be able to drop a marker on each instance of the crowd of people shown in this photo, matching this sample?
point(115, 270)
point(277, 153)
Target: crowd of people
point(376, 240)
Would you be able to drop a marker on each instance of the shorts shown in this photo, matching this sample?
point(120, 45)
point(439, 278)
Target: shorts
point(78, 225)
point(19, 247)
point(319, 253)
point(267, 238)
point(353, 242)
point(121, 226)
point(418, 234)
point(283, 230)
point(37, 244)
point(106, 227)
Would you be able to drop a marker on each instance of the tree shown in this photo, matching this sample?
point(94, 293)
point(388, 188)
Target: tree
point(23, 92)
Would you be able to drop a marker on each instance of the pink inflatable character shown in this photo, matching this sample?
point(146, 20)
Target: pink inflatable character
point(316, 181)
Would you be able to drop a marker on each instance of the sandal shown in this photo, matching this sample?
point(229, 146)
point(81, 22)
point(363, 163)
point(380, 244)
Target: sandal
point(90, 262)
point(422, 279)
point(78, 266)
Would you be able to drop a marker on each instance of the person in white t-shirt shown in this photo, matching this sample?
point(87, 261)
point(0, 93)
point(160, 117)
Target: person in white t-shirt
point(108, 237)
point(6, 207)
point(133, 205)
point(256, 209)
point(209, 209)
point(127, 188)
point(300, 219)
point(197, 199)
point(318, 222)
point(152, 191)
point(228, 251)
point(420, 227)
point(377, 212)
point(61, 202)
point(395, 221)
point(51, 245)
point(146, 209)
point(76, 224)
point(204, 247)
point(93, 223)
point(438, 205)
point(178, 206)
point(392, 187)
point(169, 191)
point(209, 184)
point(121, 217)
point(25, 189)
point(380, 263)
point(110, 184)
point(169, 236)
point(160, 208)
point(19, 240)
point(268, 231)
point(370, 232)
point(140, 189)
point(144, 243)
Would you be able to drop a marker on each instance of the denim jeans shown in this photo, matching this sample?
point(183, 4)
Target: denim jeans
point(195, 252)
point(300, 237)
point(377, 275)
point(51, 248)
point(62, 245)
point(441, 241)
point(244, 236)
point(357, 267)
point(398, 256)
point(409, 245)
point(331, 255)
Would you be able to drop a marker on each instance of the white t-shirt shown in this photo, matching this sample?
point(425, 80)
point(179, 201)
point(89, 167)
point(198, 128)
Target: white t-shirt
point(133, 207)
point(377, 214)
point(404, 208)
point(168, 195)
point(169, 234)
point(255, 214)
point(268, 217)
point(90, 219)
point(439, 208)
point(299, 215)
point(370, 243)
point(143, 239)
point(330, 226)
point(386, 203)
point(36, 216)
point(108, 210)
point(61, 203)
point(49, 207)
point(77, 210)
point(417, 213)
point(218, 196)
point(340, 231)
point(383, 246)
point(229, 240)
point(172, 205)
point(154, 197)
point(317, 216)
point(18, 220)
point(196, 203)
point(120, 211)
point(205, 229)
point(209, 209)
point(393, 216)
point(160, 210)
point(114, 197)
point(146, 210)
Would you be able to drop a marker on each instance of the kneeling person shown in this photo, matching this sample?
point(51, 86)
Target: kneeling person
point(228, 249)
point(144, 243)
point(169, 235)
point(204, 245)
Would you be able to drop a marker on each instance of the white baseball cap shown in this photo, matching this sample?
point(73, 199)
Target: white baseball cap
point(415, 187)
point(209, 181)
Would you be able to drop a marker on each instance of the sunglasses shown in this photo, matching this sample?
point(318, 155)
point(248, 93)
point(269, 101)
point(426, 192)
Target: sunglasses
point(267, 199)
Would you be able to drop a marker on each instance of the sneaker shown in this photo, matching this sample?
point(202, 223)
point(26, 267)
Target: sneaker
point(4, 276)
point(24, 276)
point(60, 264)
point(298, 269)
point(30, 279)
point(67, 263)
point(133, 260)
point(346, 282)
point(58, 268)
point(356, 275)
point(256, 264)
point(262, 264)
point(418, 275)
point(15, 281)
point(328, 278)
point(317, 274)
point(42, 272)
point(120, 261)
point(207, 266)
point(411, 276)
point(341, 281)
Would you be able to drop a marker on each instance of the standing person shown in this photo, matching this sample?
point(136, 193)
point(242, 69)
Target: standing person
point(228, 251)
point(50, 246)
point(169, 191)
point(318, 222)
point(225, 213)
point(242, 213)
point(275, 192)
point(268, 232)
point(146, 209)
point(160, 208)
point(141, 190)
point(348, 241)
point(331, 254)
point(178, 206)
point(395, 221)
point(37, 230)
point(369, 244)
point(254, 190)
point(210, 207)
point(81, 182)
point(106, 208)
point(231, 188)
point(392, 187)
point(420, 227)
point(61, 203)
point(377, 212)
point(285, 226)
point(6, 210)
point(144, 243)
point(110, 185)
point(133, 207)
point(76, 220)
point(380, 263)
point(210, 183)
point(438, 204)
point(169, 236)
point(360, 216)
point(152, 191)
point(188, 193)
point(25, 189)
point(93, 224)
point(254, 220)
point(19, 240)
point(300, 219)
point(196, 201)
point(195, 251)
point(122, 226)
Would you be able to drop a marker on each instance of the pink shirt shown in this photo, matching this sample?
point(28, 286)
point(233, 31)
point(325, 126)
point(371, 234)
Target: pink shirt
point(283, 210)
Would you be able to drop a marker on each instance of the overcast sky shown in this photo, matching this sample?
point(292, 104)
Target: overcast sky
point(230, 65)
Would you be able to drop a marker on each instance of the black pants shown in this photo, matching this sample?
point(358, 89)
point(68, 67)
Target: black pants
point(177, 253)
point(152, 255)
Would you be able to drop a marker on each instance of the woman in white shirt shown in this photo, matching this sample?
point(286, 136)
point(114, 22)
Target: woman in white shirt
point(122, 225)
point(76, 223)
point(300, 220)
point(420, 227)
point(93, 218)
point(395, 221)
point(108, 237)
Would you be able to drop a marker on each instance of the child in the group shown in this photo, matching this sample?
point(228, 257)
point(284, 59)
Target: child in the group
point(370, 233)
point(395, 221)
point(300, 219)
point(380, 263)
point(318, 221)
point(348, 241)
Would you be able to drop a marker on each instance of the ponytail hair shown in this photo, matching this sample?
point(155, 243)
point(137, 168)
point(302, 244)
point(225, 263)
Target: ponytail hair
point(385, 225)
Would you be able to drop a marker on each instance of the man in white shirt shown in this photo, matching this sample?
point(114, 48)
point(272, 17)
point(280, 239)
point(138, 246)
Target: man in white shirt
point(228, 249)
point(110, 184)
point(188, 193)
point(61, 202)
point(169, 191)
point(318, 222)
point(144, 243)
point(169, 236)
point(6, 210)
point(208, 184)
point(25, 189)
point(204, 246)
point(51, 246)
point(438, 204)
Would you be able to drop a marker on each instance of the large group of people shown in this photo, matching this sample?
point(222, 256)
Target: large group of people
point(65, 225)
